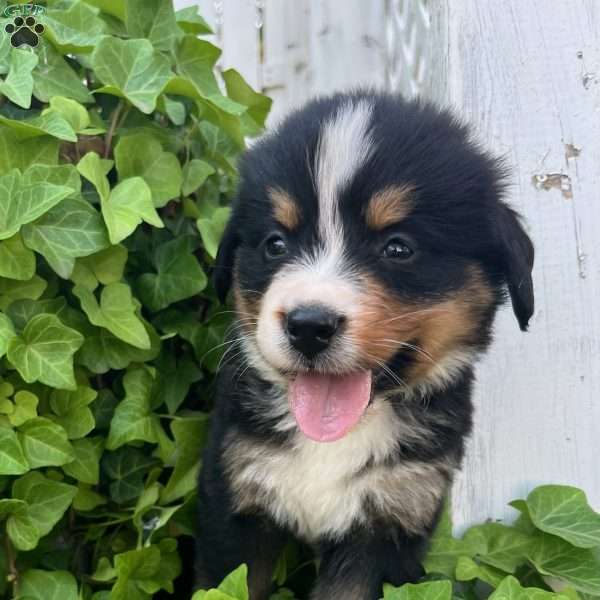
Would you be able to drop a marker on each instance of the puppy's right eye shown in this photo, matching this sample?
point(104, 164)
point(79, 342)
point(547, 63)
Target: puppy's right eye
point(275, 247)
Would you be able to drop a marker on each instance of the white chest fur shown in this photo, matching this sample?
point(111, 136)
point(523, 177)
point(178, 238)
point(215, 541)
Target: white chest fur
point(321, 489)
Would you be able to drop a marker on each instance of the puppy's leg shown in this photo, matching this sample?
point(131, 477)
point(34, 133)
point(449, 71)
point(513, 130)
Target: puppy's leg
point(226, 542)
point(357, 568)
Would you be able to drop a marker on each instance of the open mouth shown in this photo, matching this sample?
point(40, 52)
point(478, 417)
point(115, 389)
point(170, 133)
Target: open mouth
point(326, 407)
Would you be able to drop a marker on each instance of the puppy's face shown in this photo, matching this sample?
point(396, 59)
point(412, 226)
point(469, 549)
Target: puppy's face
point(368, 251)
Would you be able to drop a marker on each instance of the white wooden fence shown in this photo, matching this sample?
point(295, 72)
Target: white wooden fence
point(527, 76)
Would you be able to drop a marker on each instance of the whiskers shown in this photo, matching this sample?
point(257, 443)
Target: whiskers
point(398, 344)
point(389, 373)
point(403, 316)
point(234, 336)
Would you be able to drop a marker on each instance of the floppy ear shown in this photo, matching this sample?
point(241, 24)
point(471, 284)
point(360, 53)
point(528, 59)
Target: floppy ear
point(517, 263)
point(223, 270)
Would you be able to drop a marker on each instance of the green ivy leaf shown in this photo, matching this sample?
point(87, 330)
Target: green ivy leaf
point(104, 409)
point(45, 443)
point(54, 77)
point(577, 567)
point(170, 563)
point(207, 340)
point(147, 500)
point(431, 590)
point(510, 589)
point(212, 595)
point(190, 437)
point(211, 229)
point(126, 468)
point(115, 312)
point(133, 419)
point(109, 265)
point(12, 458)
point(48, 585)
point(564, 511)
point(71, 229)
point(18, 85)
point(142, 155)
point(86, 466)
point(65, 175)
point(50, 123)
point(72, 111)
point(258, 105)
point(76, 29)
point(22, 531)
point(191, 22)
point(233, 587)
point(498, 545)
point(115, 8)
point(44, 352)
point(129, 203)
point(94, 169)
point(72, 411)
point(154, 20)
point(102, 351)
point(10, 506)
point(104, 571)
point(16, 261)
point(23, 198)
point(132, 568)
point(195, 61)
point(11, 291)
point(219, 146)
point(87, 499)
point(106, 266)
point(195, 173)
point(47, 501)
point(16, 153)
point(25, 408)
point(22, 311)
point(179, 275)
point(215, 108)
point(131, 69)
point(467, 570)
point(174, 380)
point(7, 332)
point(235, 584)
point(174, 109)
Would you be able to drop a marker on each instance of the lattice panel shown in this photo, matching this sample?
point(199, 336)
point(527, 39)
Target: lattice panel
point(407, 29)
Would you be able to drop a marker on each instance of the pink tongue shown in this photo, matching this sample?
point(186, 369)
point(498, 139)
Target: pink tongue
point(326, 407)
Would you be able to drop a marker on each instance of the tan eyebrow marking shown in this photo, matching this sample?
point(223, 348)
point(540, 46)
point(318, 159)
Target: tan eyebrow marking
point(390, 205)
point(285, 208)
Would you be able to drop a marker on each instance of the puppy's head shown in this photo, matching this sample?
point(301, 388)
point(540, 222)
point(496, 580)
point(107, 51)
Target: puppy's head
point(368, 250)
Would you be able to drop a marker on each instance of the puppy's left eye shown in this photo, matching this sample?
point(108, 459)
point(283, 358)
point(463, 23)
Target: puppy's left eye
point(397, 249)
point(275, 247)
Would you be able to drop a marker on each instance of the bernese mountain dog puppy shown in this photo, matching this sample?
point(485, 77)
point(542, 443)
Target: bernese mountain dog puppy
point(368, 251)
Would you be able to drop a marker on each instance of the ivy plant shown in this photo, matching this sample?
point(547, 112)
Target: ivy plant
point(118, 145)
point(550, 552)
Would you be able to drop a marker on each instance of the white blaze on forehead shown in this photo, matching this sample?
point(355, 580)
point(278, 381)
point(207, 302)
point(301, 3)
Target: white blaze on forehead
point(345, 144)
point(321, 274)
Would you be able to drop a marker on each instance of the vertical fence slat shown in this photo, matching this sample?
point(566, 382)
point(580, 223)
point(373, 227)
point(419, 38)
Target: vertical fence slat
point(286, 59)
point(347, 44)
point(240, 39)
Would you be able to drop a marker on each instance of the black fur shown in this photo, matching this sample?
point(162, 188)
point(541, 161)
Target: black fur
point(458, 221)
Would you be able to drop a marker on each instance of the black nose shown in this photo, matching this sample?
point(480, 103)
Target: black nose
point(311, 328)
